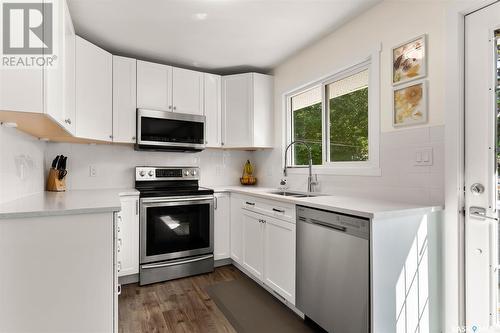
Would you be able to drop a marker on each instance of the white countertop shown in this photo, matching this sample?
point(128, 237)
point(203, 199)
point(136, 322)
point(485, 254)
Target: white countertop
point(65, 203)
point(358, 206)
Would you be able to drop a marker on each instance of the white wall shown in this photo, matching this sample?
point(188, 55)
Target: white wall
point(387, 24)
point(21, 164)
point(115, 164)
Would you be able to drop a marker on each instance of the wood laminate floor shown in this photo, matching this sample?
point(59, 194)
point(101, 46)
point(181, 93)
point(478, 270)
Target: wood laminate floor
point(175, 306)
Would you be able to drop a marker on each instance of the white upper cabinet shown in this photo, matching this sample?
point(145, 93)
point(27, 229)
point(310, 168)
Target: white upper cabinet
point(213, 110)
point(154, 86)
point(187, 91)
point(94, 95)
point(124, 99)
point(247, 107)
point(59, 85)
point(21, 90)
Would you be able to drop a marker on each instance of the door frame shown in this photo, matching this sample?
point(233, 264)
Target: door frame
point(454, 236)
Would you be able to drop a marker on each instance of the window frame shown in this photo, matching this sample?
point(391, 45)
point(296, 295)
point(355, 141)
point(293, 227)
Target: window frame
point(371, 167)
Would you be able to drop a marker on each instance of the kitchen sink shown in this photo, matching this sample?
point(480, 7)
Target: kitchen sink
point(295, 194)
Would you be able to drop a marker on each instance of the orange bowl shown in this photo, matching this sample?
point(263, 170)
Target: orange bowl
point(248, 181)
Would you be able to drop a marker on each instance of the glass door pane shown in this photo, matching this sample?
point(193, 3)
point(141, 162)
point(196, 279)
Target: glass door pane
point(171, 229)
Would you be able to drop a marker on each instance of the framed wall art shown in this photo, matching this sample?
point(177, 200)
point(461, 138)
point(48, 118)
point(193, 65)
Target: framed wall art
point(410, 104)
point(409, 60)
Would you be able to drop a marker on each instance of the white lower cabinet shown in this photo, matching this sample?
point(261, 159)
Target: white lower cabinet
point(263, 242)
point(279, 258)
point(253, 245)
point(221, 226)
point(128, 236)
point(236, 229)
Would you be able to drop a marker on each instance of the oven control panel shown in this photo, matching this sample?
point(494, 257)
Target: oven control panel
point(166, 173)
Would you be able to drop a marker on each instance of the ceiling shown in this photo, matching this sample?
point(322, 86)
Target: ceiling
point(219, 36)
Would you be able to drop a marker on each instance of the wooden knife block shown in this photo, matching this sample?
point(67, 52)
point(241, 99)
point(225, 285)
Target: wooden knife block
point(53, 182)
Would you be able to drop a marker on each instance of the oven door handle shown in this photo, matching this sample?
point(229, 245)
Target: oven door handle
point(177, 199)
point(177, 262)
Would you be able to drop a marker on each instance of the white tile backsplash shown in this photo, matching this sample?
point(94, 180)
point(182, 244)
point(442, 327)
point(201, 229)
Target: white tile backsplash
point(401, 179)
point(114, 164)
point(21, 164)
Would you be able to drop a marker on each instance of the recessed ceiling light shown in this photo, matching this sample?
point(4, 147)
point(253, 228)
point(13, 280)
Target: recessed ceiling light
point(200, 16)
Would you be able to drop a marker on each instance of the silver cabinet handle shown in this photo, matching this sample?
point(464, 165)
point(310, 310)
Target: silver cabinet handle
point(215, 203)
point(170, 107)
point(278, 210)
point(67, 121)
point(175, 107)
point(133, 138)
point(250, 203)
point(119, 289)
point(480, 213)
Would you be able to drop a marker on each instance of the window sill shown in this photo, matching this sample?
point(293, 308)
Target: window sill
point(337, 171)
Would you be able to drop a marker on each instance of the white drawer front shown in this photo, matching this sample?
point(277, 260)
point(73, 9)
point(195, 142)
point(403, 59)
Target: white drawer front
point(273, 208)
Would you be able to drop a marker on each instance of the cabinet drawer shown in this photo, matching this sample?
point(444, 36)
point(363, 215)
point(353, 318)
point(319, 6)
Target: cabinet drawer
point(271, 208)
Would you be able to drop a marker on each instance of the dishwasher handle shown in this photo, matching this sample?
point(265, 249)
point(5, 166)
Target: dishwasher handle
point(329, 225)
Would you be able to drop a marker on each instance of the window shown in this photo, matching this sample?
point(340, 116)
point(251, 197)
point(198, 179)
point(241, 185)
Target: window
point(338, 118)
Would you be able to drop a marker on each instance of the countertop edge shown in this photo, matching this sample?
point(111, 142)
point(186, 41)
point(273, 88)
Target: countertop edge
point(260, 192)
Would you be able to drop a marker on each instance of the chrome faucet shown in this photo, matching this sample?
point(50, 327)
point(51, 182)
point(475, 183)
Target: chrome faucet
point(310, 182)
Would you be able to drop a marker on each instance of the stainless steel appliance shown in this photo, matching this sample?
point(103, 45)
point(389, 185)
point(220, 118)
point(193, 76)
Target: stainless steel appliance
point(176, 224)
point(169, 131)
point(333, 270)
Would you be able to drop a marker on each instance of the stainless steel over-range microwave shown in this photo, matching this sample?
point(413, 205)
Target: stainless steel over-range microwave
point(169, 131)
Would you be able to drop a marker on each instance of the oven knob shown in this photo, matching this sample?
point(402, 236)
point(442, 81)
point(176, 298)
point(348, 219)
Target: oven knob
point(151, 173)
point(194, 172)
point(186, 173)
point(142, 173)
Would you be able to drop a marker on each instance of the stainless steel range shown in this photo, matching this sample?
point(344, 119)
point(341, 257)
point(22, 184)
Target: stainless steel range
point(176, 224)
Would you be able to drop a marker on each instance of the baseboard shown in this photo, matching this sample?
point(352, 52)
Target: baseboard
point(223, 262)
point(128, 279)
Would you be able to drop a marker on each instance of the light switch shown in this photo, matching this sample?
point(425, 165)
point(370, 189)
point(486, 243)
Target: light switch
point(423, 156)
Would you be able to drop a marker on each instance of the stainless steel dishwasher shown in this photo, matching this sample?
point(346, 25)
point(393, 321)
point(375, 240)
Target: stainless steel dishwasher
point(333, 270)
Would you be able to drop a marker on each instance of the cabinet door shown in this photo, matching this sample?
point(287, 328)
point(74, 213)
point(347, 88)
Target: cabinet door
point(253, 245)
point(69, 113)
point(154, 86)
point(54, 77)
point(187, 91)
point(124, 99)
point(128, 236)
point(21, 90)
point(221, 226)
point(236, 108)
point(94, 95)
point(213, 110)
point(279, 259)
point(236, 229)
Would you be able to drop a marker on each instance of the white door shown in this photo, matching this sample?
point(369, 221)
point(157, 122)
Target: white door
point(481, 225)
point(236, 108)
point(279, 259)
point(253, 243)
point(221, 226)
point(124, 99)
point(213, 110)
point(154, 86)
point(94, 92)
point(187, 91)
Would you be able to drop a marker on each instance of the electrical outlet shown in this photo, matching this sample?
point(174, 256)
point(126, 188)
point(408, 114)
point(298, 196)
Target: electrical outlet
point(92, 171)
